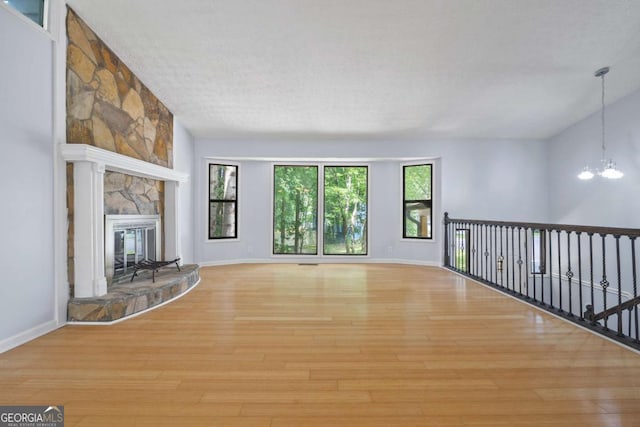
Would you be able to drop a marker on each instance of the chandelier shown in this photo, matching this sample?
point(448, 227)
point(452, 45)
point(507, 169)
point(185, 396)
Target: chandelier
point(608, 166)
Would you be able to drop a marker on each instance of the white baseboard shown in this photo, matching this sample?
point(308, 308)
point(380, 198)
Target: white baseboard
point(28, 335)
point(411, 262)
point(309, 260)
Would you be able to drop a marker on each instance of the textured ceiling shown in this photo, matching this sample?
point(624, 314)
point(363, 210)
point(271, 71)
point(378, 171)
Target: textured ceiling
point(368, 68)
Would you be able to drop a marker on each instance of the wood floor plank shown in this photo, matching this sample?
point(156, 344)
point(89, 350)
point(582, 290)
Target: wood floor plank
point(367, 421)
point(330, 345)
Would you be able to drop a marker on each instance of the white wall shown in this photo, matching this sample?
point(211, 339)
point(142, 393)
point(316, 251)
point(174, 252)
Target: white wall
point(183, 161)
point(27, 290)
point(502, 180)
point(610, 203)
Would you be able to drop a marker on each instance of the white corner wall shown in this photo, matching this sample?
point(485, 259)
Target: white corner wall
point(598, 202)
point(183, 161)
point(27, 290)
point(500, 180)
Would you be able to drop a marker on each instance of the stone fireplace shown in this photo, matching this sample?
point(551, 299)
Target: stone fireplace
point(89, 240)
point(119, 154)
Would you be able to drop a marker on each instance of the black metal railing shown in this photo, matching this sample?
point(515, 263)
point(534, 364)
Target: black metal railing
point(587, 275)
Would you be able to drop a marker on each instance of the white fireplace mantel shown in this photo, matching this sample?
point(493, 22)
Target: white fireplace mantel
point(119, 163)
point(90, 163)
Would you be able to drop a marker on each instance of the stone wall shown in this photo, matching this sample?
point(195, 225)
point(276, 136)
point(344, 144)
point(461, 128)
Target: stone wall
point(110, 108)
point(131, 195)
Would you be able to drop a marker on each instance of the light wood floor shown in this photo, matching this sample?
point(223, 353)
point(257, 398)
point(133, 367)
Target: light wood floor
point(329, 345)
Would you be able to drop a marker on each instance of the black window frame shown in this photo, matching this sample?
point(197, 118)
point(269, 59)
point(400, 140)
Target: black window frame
point(212, 200)
point(427, 202)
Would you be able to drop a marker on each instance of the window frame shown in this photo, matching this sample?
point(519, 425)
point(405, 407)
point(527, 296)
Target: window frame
point(320, 215)
point(430, 202)
point(234, 201)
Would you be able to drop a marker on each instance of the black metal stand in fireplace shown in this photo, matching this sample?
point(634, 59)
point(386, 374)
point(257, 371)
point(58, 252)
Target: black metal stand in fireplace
point(154, 266)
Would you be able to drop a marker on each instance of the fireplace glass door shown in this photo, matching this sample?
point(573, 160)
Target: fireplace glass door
point(132, 246)
point(130, 239)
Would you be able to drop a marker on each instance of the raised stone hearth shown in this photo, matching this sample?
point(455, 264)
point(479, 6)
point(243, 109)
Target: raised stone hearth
point(126, 299)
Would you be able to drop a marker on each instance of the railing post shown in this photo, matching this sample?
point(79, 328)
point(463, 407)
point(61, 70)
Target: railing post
point(446, 240)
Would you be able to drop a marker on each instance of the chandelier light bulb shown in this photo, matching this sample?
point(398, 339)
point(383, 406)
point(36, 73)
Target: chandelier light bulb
point(586, 174)
point(609, 170)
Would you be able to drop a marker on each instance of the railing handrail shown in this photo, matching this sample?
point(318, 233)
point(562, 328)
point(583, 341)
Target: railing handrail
point(614, 231)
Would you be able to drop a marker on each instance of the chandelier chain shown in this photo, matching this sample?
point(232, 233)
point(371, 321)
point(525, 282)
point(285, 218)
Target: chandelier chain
point(602, 116)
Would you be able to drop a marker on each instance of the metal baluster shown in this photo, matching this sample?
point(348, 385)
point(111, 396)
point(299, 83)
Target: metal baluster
point(506, 260)
point(604, 283)
point(482, 251)
point(466, 249)
point(550, 270)
point(476, 248)
point(533, 255)
point(453, 247)
point(593, 303)
point(579, 275)
point(473, 250)
point(620, 334)
point(453, 251)
point(487, 253)
point(491, 264)
point(526, 264)
point(559, 273)
point(543, 235)
point(635, 283)
point(569, 272)
point(501, 259)
point(519, 263)
point(513, 261)
point(495, 250)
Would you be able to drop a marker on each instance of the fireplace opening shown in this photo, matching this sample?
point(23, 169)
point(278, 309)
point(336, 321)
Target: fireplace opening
point(130, 239)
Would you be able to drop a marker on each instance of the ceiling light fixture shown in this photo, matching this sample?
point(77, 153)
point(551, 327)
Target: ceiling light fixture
point(609, 169)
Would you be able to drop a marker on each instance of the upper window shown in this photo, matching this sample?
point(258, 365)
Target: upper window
point(223, 202)
point(32, 9)
point(417, 219)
